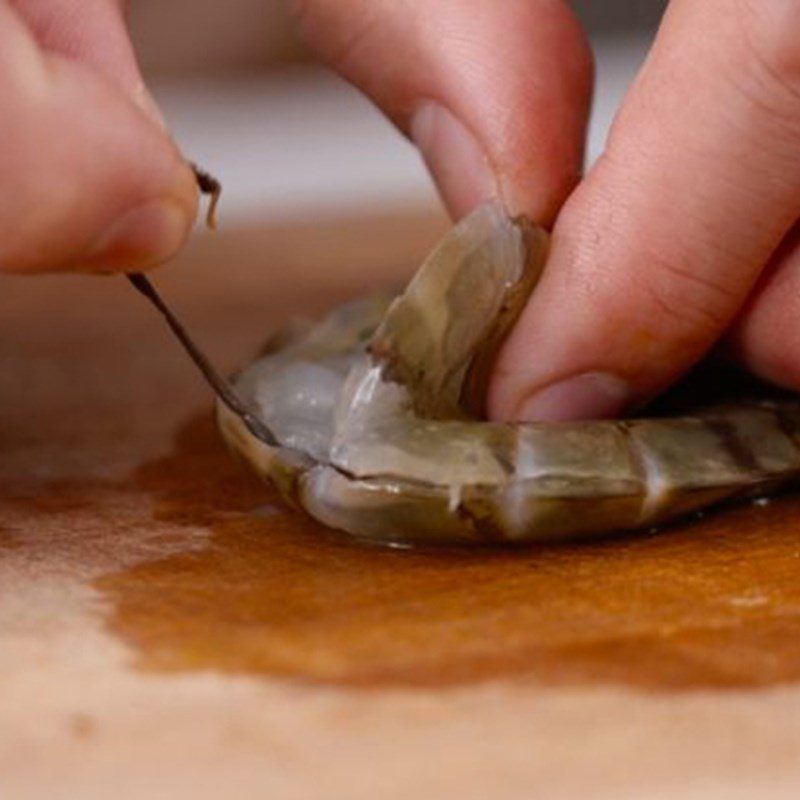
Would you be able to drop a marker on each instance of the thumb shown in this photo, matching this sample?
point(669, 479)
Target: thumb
point(656, 252)
point(495, 95)
point(94, 183)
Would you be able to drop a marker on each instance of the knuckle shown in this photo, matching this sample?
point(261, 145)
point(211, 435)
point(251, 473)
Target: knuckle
point(338, 32)
point(686, 298)
point(770, 33)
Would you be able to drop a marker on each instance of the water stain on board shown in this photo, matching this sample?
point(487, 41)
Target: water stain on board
point(712, 604)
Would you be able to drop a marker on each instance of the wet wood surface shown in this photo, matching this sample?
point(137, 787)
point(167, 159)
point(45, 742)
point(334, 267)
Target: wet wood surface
point(168, 628)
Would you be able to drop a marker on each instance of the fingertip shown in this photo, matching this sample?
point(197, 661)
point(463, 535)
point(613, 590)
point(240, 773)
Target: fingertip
point(458, 163)
point(142, 238)
point(590, 395)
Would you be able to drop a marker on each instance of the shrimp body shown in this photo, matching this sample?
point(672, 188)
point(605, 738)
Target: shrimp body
point(375, 421)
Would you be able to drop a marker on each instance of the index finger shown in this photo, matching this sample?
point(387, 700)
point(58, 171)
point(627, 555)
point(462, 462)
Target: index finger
point(495, 95)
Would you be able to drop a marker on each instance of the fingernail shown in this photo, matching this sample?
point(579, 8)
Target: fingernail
point(146, 101)
point(591, 395)
point(456, 160)
point(141, 238)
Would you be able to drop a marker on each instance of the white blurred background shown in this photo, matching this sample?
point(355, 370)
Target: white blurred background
point(289, 139)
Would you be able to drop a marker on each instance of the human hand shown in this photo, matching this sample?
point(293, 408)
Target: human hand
point(683, 235)
point(91, 179)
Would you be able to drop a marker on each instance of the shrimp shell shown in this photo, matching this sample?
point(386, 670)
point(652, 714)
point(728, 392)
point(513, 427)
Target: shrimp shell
point(376, 414)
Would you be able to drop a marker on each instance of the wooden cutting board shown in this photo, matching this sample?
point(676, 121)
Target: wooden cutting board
point(169, 629)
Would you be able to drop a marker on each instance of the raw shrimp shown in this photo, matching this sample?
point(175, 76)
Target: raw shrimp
point(371, 420)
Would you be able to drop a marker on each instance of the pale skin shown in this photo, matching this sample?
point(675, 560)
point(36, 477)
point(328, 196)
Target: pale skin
point(682, 238)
